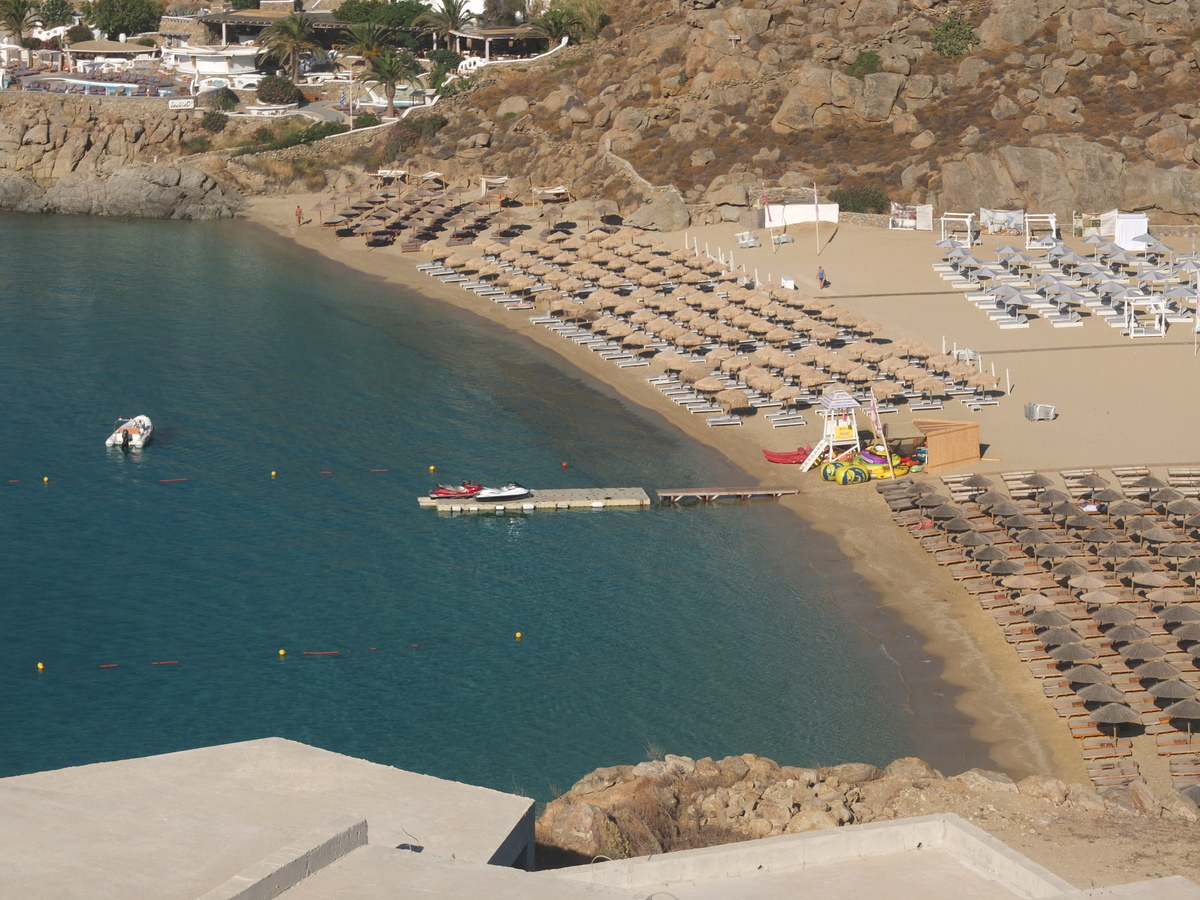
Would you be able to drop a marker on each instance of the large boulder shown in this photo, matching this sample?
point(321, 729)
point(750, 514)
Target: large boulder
point(584, 829)
point(1012, 23)
point(879, 94)
point(667, 212)
point(853, 773)
point(158, 192)
point(912, 767)
point(21, 194)
point(984, 782)
point(1044, 787)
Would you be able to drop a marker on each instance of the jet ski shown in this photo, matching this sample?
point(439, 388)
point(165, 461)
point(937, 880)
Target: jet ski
point(466, 489)
point(510, 491)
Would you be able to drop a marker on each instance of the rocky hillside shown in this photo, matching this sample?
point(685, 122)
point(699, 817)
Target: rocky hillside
point(1061, 106)
point(678, 803)
point(109, 157)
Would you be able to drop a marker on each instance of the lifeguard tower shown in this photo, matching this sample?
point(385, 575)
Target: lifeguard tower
point(841, 429)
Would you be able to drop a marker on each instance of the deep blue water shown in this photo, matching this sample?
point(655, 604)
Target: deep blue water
point(702, 631)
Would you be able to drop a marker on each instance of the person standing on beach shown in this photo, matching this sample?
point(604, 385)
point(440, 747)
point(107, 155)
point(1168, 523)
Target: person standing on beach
point(299, 217)
point(821, 277)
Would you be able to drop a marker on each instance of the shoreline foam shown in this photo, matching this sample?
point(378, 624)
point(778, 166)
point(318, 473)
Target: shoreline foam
point(1021, 731)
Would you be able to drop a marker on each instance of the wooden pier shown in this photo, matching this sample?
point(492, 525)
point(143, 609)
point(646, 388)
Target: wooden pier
point(569, 498)
point(708, 495)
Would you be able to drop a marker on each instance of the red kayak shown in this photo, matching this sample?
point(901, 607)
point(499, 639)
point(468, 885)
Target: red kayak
point(788, 457)
point(466, 489)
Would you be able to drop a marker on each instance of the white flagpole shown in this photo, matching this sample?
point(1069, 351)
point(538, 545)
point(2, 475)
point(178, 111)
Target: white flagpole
point(817, 218)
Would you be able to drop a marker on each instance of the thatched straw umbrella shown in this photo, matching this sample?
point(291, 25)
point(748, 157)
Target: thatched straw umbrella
point(824, 333)
point(716, 357)
point(733, 401)
point(734, 364)
point(671, 361)
point(839, 365)
point(709, 385)
point(694, 373)
point(763, 382)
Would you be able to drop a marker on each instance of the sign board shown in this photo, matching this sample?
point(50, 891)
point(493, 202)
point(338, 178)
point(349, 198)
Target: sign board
point(182, 103)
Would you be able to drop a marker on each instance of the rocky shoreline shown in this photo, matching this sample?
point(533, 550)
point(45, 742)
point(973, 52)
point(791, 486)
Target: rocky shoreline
point(678, 803)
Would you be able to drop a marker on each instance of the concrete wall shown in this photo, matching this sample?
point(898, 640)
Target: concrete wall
point(286, 868)
point(948, 833)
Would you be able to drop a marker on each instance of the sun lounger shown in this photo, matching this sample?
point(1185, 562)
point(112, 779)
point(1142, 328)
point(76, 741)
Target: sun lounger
point(785, 421)
point(723, 420)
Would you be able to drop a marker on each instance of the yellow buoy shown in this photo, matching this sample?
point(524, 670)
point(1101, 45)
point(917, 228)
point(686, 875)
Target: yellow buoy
point(518, 635)
point(46, 479)
point(41, 667)
point(283, 653)
point(272, 474)
point(433, 468)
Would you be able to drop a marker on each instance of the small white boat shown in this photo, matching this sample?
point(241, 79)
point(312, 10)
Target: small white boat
point(510, 491)
point(133, 434)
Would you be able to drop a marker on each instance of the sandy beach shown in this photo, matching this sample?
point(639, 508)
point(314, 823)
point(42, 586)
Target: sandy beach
point(1106, 418)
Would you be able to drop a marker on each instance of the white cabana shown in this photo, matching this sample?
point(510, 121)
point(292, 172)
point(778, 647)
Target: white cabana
point(907, 217)
point(959, 226)
point(1039, 227)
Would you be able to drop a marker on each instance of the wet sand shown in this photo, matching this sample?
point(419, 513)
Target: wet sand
point(868, 268)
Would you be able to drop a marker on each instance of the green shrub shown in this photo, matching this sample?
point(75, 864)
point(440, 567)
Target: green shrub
point(145, 42)
point(266, 139)
point(224, 99)
point(458, 86)
point(410, 133)
point(276, 89)
point(245, 4)
point(199, 144)
point(214, 122)
point(866, 63)
point(444, 62)
point(861, 200)
point(78, 33)
point(953, 37)
point(366, 120)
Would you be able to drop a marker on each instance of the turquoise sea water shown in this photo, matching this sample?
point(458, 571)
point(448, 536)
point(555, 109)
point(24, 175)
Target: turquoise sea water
point(702, 631)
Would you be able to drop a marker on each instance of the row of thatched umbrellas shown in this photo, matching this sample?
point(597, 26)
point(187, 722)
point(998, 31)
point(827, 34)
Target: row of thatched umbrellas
point(1164, 523)
point(626, 285)
point(644, 310)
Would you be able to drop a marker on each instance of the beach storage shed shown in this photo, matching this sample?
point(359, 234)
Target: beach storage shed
point(949, 443)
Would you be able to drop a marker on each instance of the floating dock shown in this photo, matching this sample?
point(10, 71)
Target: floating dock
point(569, 498)
point(708, 495)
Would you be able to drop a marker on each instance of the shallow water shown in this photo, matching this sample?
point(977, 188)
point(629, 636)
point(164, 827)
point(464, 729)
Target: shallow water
point(702, 631)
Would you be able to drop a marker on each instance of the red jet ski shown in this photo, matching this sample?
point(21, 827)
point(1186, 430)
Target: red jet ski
point(466, 489)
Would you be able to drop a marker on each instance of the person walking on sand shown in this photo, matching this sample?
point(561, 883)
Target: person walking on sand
point(821, 277)
point(299, 217)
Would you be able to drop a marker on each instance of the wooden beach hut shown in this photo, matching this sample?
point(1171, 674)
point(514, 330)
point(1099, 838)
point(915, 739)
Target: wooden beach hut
point(949, 443)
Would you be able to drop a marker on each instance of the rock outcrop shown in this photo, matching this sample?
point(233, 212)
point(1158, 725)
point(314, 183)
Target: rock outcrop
point(677, 802)
point(103, 157)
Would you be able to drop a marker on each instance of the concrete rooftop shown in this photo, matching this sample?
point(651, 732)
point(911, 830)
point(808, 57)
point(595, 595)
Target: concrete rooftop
point(178, 825)
point(273, 818)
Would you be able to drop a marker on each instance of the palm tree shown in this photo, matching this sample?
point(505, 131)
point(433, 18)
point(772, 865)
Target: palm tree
point(390, 69)
point(453, 16)
point(17, 16)
point(285, 40)
point(367, 39)
point(556, 23)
